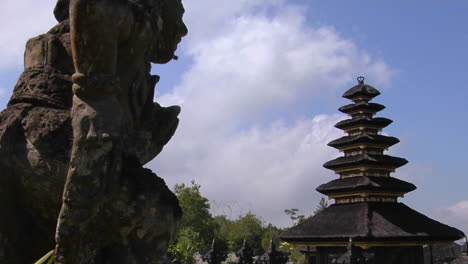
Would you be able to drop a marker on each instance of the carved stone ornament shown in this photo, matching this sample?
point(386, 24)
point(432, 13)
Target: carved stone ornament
point(79, 127)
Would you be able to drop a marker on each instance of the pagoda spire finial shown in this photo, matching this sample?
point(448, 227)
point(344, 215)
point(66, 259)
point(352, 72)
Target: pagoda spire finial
point(361, 79)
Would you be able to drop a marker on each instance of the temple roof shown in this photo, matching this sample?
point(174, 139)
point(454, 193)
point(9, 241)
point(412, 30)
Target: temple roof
point(361, 89)
point(361, 106)
point(371, 222)
point(365, 159)
point(366, 208)
point(363, 139)
point(379, 122)
point(365, 183)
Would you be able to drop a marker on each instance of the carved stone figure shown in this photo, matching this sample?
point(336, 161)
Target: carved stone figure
point(214, 255)
point(272, 256)
point(82, 116)
point(354, 255)
point(245, 254)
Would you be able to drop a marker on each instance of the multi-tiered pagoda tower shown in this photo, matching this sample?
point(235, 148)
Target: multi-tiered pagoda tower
point(366, 209)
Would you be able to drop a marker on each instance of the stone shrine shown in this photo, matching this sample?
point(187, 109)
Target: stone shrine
point(79, 127)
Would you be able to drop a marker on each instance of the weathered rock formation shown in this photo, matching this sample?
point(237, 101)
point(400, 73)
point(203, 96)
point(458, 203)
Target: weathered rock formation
point(79, 126)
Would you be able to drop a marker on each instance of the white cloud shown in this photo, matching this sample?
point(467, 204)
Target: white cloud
point(455, 215)
point(254, 62)
point(208, 18)
point(255, 66)
point(415, 173)
point(272, 169)
point(264, 170)
point(259, 63)
point(19, 21)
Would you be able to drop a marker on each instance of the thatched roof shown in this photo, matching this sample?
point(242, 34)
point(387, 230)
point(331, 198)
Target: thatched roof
point(370, 222)
point(361, 89)
point(379, 122)
point(363, 139)
point(364, 183)
point(365, 159)
point(372, 107)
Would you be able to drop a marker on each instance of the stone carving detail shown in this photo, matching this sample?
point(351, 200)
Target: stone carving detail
point(77, 130)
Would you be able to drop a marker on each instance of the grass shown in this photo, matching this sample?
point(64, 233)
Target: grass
point(47, 259)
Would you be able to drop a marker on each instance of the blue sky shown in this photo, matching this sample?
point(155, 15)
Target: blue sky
point(260, 82)
point(425, 44)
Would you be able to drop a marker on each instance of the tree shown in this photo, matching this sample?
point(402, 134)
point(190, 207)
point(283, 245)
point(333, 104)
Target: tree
point(233, 232)
point(201, 227)
point(188, 243)
point(295, 218)
point(223, 232)
point(196, 213)
point(271, 232)
point(321, 206)
point(296, 256)
point(249, 227)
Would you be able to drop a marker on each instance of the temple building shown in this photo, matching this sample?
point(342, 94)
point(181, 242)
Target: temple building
point(367, 223)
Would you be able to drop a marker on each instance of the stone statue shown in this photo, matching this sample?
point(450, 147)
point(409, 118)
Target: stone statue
point(245, 254)
point(354, 255)
point(79, 126)
point(272, 256)
point(214, 255)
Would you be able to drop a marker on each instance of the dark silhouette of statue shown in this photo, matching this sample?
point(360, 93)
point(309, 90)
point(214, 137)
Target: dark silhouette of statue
point(245, 254)
point(272, 256)
point(79, 127)
point(355, 255)
point(215, 255)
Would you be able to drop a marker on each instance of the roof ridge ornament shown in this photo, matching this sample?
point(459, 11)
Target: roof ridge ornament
point(361, 79)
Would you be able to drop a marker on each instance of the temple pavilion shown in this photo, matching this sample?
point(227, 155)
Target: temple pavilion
point(366, 215)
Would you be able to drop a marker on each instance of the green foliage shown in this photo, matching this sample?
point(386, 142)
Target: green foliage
point(222, 232)
point(295, 255)
point(196, 212)
point(47, 259)
point(188, 243)
point(249, 227)
point(321, 206)
point(233, 232)
point(199, 227)
point(299, 218)
point(295, 218)
point(271, 232)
